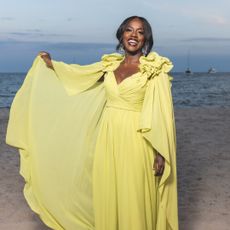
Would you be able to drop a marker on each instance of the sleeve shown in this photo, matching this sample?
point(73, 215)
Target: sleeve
point(18, 126)
point(76, 78)
point(157, 119)
point(55, 134)
point(157, 126)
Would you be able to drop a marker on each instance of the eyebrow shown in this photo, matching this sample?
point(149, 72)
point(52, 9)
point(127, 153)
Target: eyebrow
point(140, 28)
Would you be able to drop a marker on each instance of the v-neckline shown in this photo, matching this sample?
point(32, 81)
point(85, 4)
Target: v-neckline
point(130, 76)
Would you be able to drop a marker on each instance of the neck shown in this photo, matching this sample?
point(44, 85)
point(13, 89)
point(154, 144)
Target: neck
point(132, 58)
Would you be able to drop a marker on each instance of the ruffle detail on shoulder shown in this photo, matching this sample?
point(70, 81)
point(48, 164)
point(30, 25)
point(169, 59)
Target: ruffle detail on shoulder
point(111, 61)
point(154, 64)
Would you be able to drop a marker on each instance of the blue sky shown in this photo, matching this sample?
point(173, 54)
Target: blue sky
point(199, 27)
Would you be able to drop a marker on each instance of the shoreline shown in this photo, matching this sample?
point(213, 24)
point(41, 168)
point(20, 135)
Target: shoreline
point(203, 161)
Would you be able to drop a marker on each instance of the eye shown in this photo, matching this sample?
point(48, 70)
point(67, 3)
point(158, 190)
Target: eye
point(128, 29)
point(141, 32)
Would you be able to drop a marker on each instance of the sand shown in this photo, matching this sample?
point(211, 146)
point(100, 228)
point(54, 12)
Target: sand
point(203, 162)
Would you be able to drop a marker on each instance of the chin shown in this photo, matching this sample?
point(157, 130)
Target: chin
point(133, 52)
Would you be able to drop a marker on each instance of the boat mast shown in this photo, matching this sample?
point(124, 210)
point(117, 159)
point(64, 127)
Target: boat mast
point(188, 59)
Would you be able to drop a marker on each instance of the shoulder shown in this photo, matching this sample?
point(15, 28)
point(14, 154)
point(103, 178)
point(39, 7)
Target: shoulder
point(112, 57)
point(110, 61)
point(154, 64)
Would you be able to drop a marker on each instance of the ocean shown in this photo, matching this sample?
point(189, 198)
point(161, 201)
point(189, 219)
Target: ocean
point(196, 90)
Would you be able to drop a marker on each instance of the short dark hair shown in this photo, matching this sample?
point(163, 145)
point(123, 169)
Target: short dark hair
point(147, 33)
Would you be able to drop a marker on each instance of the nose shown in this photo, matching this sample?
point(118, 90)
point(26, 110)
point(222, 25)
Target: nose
point(134, 33)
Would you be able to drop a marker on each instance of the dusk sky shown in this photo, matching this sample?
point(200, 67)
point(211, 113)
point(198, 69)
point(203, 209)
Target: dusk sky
point(201, 28)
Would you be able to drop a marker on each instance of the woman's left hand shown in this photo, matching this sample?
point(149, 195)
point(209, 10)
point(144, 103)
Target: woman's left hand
point(47, 59)
point(159, 164)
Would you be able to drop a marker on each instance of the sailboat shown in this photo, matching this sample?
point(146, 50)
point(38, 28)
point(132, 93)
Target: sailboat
point(188, 71)
point(212, 70)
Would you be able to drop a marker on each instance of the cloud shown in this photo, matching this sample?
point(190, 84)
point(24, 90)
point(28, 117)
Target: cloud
point(206, 39)
point(211, 15)
point(77, 45)
point(19, 33)
point(217, 20)
point(34, 30)
point(38, 33)
point(7, 18)
point(61, 45)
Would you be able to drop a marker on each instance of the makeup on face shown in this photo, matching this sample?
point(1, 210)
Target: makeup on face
point(133, 36)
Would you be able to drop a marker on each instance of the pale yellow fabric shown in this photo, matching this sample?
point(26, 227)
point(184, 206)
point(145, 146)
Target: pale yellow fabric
point(87, 149)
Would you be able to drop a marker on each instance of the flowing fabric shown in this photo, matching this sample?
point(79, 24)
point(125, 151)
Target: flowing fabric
point(87, 147)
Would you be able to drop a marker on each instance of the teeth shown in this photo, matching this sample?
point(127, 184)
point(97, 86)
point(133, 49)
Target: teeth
point(132, 42)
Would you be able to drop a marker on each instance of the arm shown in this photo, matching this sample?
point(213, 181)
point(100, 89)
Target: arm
point(75, 78)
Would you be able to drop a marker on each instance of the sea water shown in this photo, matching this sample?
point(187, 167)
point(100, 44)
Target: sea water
point(201, 89)
point(196, 90)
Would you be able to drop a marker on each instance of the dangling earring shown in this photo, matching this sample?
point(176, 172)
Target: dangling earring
point(121, 49)
point(144, 50)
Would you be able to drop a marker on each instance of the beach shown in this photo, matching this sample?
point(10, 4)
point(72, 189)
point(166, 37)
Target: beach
point(203, 165)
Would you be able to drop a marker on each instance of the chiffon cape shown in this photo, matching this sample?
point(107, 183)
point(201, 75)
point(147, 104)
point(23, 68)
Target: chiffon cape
point(54, 122)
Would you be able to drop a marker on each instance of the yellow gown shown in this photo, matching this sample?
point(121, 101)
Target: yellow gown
point(87, 149)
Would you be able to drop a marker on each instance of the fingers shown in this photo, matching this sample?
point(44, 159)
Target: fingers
point(44, 54)
point(158, 166)
point(159, 170)
point(46, 58)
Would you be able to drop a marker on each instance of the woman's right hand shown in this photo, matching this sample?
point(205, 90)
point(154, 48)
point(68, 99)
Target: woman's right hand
point(46, 58)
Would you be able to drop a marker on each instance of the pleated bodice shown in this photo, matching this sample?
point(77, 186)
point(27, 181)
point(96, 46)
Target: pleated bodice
point(129, 94)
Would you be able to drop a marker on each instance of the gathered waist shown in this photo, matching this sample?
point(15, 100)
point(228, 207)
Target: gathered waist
point(121, 106)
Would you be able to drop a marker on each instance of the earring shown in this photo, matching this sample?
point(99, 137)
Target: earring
point(144, 50)
point(121, 48)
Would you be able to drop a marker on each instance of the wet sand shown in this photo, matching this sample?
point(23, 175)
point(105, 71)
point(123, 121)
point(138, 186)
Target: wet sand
point(203, 162)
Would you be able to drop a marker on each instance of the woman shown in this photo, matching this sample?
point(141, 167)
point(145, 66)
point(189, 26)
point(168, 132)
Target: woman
point(101, 153)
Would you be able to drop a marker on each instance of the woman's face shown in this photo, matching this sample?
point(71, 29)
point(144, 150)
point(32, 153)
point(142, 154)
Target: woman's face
point(133, 37)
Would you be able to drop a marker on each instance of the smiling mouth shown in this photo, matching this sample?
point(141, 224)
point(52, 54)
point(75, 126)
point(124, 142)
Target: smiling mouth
point(132, 42)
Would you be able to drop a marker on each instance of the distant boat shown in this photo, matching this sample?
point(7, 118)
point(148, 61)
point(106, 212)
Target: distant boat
point(188, 71)
point(212, 70)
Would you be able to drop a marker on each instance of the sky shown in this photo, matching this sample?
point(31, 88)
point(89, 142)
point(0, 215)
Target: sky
point(65, 29)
